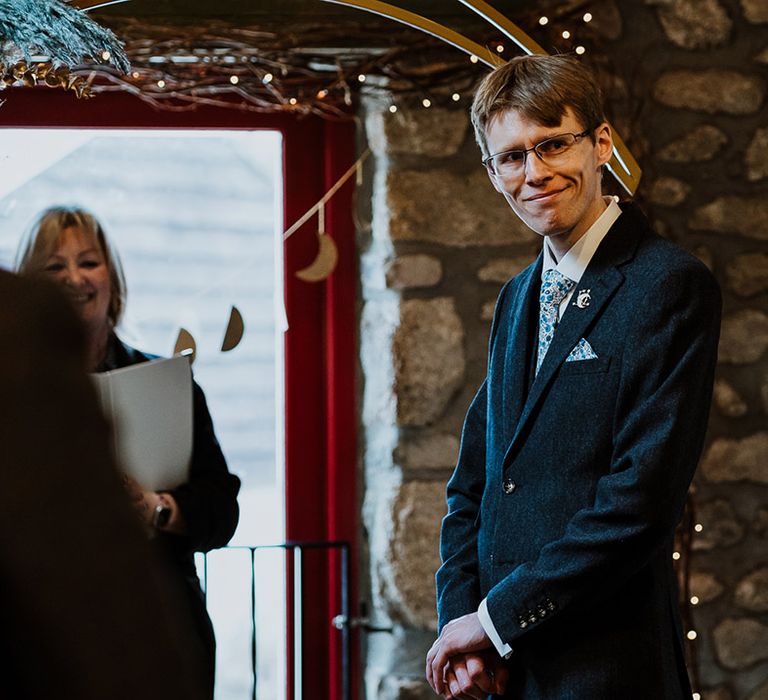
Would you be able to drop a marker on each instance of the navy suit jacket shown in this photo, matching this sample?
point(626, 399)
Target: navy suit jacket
point(575, 555)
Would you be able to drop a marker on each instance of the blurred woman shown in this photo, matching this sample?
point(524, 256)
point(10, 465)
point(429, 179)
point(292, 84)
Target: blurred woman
point(70, 246)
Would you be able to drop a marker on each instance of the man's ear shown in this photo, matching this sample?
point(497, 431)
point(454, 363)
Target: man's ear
point(604, 143)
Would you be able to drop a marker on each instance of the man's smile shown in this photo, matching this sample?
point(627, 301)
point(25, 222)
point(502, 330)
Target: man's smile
point(544, 196)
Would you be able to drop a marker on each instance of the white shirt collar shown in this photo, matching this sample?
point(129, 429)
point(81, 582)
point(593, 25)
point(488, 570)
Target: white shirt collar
point(574, 263)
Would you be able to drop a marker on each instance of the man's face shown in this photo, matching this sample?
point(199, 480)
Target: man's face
point(561, 197)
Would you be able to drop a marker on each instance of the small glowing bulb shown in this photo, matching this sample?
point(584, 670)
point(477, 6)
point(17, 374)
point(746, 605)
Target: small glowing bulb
point(234, 79)
point(566, 34)
point(500, 48)
point(361, 78)
point(580, 50)
point(543, 21)
point(694, 600)
point(106, 55)
point(322, 94)
point(426, 102)
point(473, 59)
point(587, 17)
point(267, 78)
point(455, 97)
point(161, 83)
point(293, 100)
point(393, 108)
point(675, 555)
point(696, 696)
point(135, 75)
point(698, 527)
point(692, 635)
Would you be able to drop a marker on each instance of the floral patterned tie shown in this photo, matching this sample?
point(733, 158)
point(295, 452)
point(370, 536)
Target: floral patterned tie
point(554, 288)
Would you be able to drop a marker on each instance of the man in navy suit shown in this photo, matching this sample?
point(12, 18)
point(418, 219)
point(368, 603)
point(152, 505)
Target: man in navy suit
point(578, 449)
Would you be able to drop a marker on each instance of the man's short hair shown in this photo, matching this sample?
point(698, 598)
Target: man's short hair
point(540, 88)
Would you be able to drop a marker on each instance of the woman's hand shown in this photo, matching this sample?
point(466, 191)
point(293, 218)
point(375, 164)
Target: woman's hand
point(146, 504)
point(137, 497)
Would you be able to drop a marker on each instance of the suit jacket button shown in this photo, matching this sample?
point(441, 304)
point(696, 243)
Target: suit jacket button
point(508, 486)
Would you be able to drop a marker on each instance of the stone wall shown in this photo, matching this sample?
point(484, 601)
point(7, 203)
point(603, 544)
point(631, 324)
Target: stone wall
point(437, 243)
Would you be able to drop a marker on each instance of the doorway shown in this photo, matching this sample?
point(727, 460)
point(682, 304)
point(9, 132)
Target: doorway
point(318, 349)
point(196, 218)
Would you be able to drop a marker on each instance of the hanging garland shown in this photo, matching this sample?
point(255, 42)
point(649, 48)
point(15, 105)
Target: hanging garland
point(315, 69)
point(250, 69)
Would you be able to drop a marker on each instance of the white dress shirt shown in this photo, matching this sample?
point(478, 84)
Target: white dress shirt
point(573, 265)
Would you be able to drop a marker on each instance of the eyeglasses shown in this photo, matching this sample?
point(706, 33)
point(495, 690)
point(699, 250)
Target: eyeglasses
point(550, 151)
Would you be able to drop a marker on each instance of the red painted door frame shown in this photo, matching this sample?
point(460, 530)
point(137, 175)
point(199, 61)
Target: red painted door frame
point(320, 344)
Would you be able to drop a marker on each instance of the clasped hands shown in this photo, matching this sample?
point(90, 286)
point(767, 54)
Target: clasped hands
point(462, 663)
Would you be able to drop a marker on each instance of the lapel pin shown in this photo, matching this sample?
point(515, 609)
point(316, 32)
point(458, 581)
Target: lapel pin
point(583, 297)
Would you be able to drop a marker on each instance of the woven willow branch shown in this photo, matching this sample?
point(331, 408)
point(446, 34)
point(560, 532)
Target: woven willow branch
point(64, 35)
point(304, 69)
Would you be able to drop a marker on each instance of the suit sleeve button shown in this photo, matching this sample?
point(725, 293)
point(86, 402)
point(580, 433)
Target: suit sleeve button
point(508, 485)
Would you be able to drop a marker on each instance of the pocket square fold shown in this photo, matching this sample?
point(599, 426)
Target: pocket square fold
point(582, 351)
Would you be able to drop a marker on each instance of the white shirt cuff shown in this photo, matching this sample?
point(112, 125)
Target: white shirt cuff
point(505, 651)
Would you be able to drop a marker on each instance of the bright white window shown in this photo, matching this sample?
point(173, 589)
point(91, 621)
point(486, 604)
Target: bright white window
point(196, 218)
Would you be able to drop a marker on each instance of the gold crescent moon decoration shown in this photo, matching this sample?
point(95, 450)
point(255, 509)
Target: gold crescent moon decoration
point(185, 345)
point(325, 262)
point(622, 165)
point(235, 329)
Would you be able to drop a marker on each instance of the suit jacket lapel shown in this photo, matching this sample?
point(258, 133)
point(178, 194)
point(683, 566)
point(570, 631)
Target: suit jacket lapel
point(603, 278)
point(575, 322)
point(519, 346)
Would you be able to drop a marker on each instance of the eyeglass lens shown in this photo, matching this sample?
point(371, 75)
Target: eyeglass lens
point(548, 151)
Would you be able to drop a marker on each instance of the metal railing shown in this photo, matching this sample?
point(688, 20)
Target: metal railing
point(294, 562)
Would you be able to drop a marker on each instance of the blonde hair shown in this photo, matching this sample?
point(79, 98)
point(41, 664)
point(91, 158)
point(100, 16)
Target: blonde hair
point(44, 237)
point(541, 88)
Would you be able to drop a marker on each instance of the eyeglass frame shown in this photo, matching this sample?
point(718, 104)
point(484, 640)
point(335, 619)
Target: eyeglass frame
point(526, 151)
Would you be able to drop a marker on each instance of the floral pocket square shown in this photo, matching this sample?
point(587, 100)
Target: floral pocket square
point(583, 351)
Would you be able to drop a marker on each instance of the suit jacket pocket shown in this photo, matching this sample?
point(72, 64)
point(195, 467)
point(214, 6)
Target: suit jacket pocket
point(594, 366)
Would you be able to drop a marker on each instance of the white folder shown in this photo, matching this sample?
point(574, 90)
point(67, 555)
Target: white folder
point(150, 407)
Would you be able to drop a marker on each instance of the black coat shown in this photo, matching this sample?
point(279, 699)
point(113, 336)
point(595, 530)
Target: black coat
point(576, 559)
point(209, 499)
point(208, 502)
